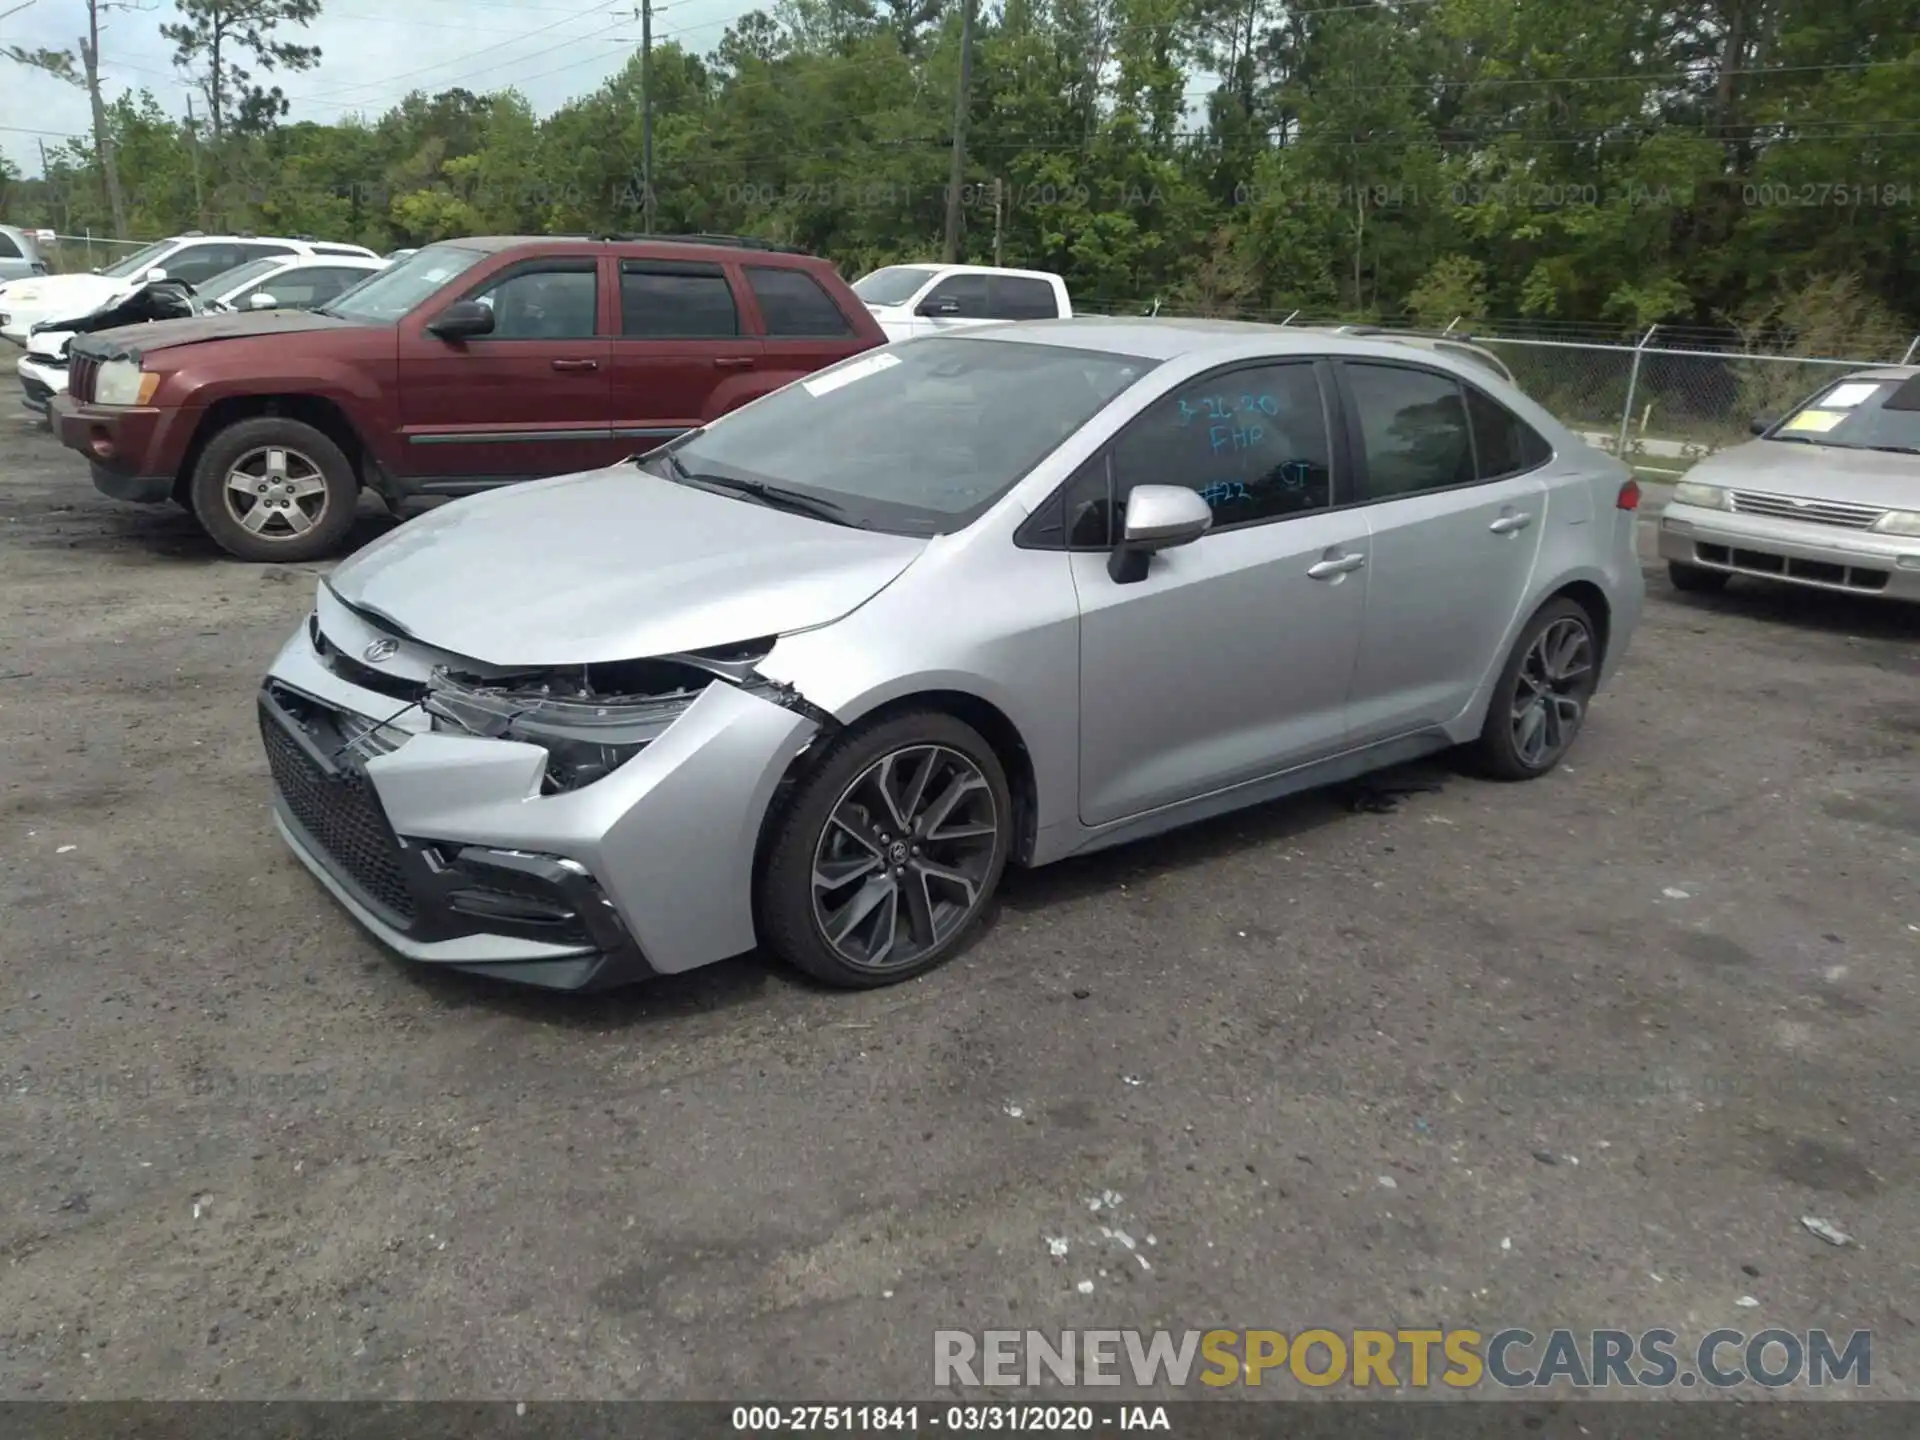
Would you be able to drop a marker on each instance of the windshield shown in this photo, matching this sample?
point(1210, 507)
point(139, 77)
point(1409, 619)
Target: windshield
point(386, 295)
point(894, 285)
point(1859, 415)
point(228, 281)
point(138, 261)
point(900, 439)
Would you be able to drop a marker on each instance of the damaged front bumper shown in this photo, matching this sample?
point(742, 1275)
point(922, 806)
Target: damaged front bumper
point(446, 848)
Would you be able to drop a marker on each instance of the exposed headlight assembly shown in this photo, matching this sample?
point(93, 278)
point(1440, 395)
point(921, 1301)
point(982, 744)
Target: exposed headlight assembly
point(589, 719)
point(123, 382)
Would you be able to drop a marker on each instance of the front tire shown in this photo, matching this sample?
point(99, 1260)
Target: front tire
point(1540, 700)
point(275, 490)
point(888, 854)
point(1696, 579)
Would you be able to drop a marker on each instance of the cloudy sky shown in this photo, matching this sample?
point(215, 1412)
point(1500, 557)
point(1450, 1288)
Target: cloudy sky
point(550, 50)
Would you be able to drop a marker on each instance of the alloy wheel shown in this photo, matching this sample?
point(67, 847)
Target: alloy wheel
point(1551, 691)
point(276, 493)
point(903, 860)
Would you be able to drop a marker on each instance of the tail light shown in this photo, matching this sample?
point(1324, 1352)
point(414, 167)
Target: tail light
point(1629, 496)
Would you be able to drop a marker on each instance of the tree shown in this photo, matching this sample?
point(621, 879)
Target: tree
point(209, 41)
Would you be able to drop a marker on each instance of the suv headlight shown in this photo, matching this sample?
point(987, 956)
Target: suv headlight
point(1899, 522)
point(1704, 497)
point(123, 382)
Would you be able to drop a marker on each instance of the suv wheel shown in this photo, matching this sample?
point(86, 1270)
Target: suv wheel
point(274, 489)
point(1541, 698)
point(887, 856)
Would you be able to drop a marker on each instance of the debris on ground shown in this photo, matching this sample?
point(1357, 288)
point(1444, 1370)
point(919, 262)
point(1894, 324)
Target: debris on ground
point(1673, 892)
point(1085, 1287)
point(1056, 1247)
point(1826, 1230)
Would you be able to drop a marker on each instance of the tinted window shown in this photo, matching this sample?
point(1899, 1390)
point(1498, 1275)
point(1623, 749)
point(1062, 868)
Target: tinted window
point(556, 302)
point(9, 250)
point(1413, 428)
point(227, 281)
point(1504, 443)
point(1015, 298)
point(676, 302)
point(792, 302)
point(1252, 442)
point(263, 252)
point(896, 438)
point(197, 264)
point(303, 286)
point(139, 262)
point(894, 285)
point(968, 292)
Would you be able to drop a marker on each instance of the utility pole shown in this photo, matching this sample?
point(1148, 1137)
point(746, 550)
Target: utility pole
point(961, 96)
point(193, 140)
point(102, 136)
point(646, 115)
point(999, 216)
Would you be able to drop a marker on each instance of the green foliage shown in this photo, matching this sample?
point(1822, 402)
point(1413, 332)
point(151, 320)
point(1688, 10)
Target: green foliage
point(1602, 163)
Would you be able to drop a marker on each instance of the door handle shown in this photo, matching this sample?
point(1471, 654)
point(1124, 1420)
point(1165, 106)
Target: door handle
point(734, 362)
point(576, 364)
point(1328, 569)
point(1510, 524)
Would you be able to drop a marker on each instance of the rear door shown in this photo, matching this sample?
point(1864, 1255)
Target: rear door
point(1455, 505)
point(803, 328)
point(682, 351)
point(1021, 297)
point(528, 400)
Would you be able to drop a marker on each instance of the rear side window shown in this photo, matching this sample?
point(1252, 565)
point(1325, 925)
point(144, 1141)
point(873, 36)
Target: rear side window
point(1504, 443)
point(662, 300)
point(795, 304)
point(1016, 297)
point(1413, 428)
point(9, 250)
point(968, 295)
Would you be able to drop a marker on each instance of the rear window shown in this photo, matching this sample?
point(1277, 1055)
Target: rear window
point(665, 300)
point(793, 303)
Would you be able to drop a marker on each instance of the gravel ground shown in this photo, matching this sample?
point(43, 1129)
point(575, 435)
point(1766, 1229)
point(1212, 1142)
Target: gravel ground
point(1581, 1052)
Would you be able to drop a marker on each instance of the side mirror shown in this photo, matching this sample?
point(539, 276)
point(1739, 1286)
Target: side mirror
point(261, 300)
point(1158, 517)
point(156, 275)
point(462, 320)
point(1760, 424)
point(937, 307)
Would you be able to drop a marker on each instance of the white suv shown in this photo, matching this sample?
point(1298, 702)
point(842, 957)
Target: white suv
point(924, 299)
point(192, 257)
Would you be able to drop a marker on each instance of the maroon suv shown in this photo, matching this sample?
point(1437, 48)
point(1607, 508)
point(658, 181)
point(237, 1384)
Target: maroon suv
point(466, 365)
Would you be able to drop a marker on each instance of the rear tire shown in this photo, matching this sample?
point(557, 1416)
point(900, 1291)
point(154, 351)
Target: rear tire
point(274, 490)
point(887, 857)
point(1696, 579)
point(1540, 700)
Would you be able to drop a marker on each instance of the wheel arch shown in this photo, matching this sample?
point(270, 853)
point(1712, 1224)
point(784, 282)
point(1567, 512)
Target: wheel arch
point(323, 414)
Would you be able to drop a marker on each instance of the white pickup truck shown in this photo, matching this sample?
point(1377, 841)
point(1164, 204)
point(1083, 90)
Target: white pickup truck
point(912, 300)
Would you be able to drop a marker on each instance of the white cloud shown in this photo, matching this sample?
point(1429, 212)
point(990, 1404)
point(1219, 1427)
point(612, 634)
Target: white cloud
point(371, 56)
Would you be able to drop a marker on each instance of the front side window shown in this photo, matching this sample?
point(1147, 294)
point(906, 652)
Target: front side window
point(197, 264)
point(1872, 414)
point(558, 300)
point(1413, 428)
point(794, 304)
point(967, 294)
point(895, 439)
point(139, 262)
point(894, 285)
point(9, 250)
point(666, 301)
point(396, 291)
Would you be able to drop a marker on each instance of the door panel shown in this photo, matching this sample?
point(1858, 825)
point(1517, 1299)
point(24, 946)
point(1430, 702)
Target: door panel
point(528, 400)
point(1452, 558)
point(681, 351)
point(1227, 663)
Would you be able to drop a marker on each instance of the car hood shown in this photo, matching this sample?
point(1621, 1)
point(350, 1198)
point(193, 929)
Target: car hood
point(1821, 472)
point(614, 564)
point(133, 341)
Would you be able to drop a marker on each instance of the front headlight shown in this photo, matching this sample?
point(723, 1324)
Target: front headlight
point(1899, 522)
point(587, 735)
point(123, 382)
point(1704, 497)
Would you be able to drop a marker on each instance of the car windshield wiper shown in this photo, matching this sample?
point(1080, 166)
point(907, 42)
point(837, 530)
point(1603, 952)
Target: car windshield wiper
point(1897, 449)
point(776, 496)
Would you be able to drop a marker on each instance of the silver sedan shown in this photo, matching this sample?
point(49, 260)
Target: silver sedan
point(811, 677)
point(1827, 497)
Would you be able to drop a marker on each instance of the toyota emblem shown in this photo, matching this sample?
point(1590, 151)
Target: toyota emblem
point(381, 650)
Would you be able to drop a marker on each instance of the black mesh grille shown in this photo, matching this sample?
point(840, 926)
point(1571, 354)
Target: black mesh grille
point(342, 816)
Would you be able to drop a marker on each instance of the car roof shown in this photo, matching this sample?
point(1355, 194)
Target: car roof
point(944, 269)
point(1883, 372)
point(1158, 337)
point(714, 248)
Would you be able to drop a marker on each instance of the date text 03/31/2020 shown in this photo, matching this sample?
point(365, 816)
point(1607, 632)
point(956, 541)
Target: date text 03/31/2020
point(951, 1419)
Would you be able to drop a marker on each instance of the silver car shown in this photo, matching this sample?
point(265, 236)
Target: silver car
point(812, 676)
point(1828, 497)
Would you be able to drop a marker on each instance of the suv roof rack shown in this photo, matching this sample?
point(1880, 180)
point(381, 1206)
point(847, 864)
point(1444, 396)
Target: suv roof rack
point(1465, 336)
point(745, 242)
